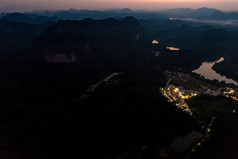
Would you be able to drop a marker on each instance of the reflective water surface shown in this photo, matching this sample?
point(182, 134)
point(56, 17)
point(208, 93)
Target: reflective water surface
point(181, 144)
point(206, 70)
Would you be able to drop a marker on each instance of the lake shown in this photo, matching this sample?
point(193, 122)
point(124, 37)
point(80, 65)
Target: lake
point(207, 72)
point(181, 144)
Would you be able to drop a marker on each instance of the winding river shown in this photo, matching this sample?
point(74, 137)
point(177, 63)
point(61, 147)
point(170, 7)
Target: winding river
point(93, 87)
point(206, 70)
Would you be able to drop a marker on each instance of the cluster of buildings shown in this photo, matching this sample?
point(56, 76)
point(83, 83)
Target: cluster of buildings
point(174, 95)
point(230, 93)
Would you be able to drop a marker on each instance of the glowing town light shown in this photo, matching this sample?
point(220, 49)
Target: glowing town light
point(208, 130)
point(155, 42)
point(173, 48)
point(172, 19)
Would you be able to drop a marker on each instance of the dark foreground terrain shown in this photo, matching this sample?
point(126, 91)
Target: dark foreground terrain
point(49, 110)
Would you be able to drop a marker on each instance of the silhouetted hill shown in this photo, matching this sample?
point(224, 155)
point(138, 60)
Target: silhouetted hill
point(2, 14)
point(201, 13)
point(14, 27)
point(73, 14)
point(15, 36)
point(130, 21)
point(27, 18)
point(124, 10)
point(87, 38)
point(110, 27)
point(184, 12)
point(233, 15)
point(203, 28)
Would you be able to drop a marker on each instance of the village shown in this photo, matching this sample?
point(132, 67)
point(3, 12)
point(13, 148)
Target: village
point(181, 86)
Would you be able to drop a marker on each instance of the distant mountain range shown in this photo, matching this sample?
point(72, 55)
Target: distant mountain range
point(2, 14)
point(38, 17)
point(201, 13)
point(27, 18)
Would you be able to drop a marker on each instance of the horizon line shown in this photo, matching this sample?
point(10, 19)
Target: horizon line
point(111, 9)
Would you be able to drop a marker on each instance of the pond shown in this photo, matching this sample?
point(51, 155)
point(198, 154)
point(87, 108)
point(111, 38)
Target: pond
point(181, 144)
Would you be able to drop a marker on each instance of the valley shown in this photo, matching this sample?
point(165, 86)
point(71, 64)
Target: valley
point(117, 84)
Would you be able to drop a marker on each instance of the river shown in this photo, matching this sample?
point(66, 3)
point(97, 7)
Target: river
point(93, 87)
point(207, 72)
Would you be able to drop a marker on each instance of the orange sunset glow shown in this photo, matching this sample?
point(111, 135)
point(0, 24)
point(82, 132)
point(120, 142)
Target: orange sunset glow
point(26, 5)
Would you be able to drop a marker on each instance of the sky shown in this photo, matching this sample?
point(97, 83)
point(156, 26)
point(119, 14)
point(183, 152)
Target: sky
point(29, 5)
